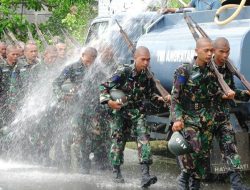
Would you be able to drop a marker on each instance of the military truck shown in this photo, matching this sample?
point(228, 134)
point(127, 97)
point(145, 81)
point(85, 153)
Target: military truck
point(171, 43)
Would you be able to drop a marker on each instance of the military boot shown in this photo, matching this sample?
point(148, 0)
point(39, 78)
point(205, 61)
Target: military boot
point(147, 180)
point(194, 184)
point(183, 181)
point(236, 183)
point(117, 175)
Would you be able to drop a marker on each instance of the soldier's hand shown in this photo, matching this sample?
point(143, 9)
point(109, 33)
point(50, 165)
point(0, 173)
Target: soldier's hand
point(247, 92)
point(229, 96)
point(177, 126)
point(96, 131)
point(167, 98)
point(67, 98)
point(164, 99)
point(114, 105)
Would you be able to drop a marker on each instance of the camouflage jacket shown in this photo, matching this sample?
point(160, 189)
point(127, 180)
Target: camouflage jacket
point(194, 91)
point(72, 75)
point(10, 82)
point(27, 73)
point(138, 87)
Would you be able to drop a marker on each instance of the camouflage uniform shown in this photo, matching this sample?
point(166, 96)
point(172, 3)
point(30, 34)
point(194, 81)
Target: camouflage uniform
point(224, 129)
point(194, 91)
point(10, 84)
point(79, 141)
point(130, 118)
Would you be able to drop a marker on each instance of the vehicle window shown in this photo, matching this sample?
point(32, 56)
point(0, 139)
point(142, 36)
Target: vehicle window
point(97, 30)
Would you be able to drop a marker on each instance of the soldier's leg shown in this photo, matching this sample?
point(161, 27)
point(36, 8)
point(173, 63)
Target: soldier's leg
point(195, 165)
point(230, 155)
point(118, 141)
point(144, 150)
point(77, 144)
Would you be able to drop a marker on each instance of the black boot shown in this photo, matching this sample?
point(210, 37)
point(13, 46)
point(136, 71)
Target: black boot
point(236, 182)
point(117, 175)
point(183, 181)
point(194, 184)
point(147, 180)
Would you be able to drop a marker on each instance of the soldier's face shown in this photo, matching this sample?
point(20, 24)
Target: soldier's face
point(61, 49)
point(50, 57)
point(142, 61)
point(88, 59)
point(3, 50)
point(221, 54)
point(31, 52)
point(205, 52)
point(12, 56)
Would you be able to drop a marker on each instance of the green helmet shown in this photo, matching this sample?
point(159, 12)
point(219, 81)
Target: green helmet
point(178, 145)
point(119, 96)
point(68, 88)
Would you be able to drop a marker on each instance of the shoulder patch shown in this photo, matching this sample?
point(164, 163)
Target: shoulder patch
point(116, 78)
point(182, 79)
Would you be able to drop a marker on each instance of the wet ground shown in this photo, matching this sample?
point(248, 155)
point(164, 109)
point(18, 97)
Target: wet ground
point(14, 176)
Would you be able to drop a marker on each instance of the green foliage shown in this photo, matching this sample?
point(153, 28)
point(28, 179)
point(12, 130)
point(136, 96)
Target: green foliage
point(62, 17)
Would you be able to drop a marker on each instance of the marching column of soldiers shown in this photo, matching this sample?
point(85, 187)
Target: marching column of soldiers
point(85, 117)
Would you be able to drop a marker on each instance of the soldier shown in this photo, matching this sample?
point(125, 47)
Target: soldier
point(82, 130)
point(49, 57)
point(195, 89)
point(224, 129)
point(2, 51)
point(62, 52)
point(9, 84)
point(27, 65)
point(138, 87)
point(101, 138)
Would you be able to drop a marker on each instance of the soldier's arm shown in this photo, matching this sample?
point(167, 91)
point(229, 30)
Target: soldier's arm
point(58, 82)
point(241, 95)
point(114, 82)
point(176, 108)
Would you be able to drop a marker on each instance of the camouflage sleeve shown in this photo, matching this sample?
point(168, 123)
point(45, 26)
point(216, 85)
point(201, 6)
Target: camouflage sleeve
point(58, 82)
point(180, 78)
point(240, 95)
point(114, 82)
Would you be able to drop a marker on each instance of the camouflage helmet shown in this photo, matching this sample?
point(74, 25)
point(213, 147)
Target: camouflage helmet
point(119, 96)
point(178, 145)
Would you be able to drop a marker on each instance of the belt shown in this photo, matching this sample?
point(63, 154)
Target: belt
point(197, 106)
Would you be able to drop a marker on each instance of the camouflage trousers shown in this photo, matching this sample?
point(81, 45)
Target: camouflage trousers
point(226, 136)
point(101, 142)
point(199, 132)
point(81, 143)
point(123, 126)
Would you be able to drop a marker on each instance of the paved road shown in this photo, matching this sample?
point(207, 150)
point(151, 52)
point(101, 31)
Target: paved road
point(14, 176)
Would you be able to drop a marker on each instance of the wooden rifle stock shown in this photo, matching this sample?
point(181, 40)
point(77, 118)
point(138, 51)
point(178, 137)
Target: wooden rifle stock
point(163, 92)
point(237, 73)
point(30, 36)
point(226, 89)
point(230, 66)
point(41, 36)
point(72, 39)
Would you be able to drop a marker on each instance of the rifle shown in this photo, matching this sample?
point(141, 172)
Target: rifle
point(72, 39)
point(12, 37)
point(163, 92)
point(30, 34)
point(50, 36)
point(68, 38)
point(226, 89)
point(41, 36)
point(230, 66)
point(7, 38)
point(237, 73)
